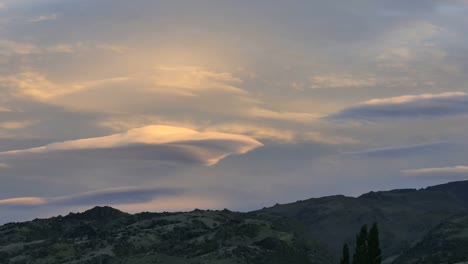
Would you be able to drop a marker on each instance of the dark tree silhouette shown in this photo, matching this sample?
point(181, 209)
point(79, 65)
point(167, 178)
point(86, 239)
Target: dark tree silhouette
point(375, 254)
point(361, 254)
point(367, 249)
point(345, 259)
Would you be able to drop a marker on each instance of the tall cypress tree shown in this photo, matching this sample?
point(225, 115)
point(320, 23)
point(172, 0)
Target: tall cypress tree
point(345, 257)
point(375, 254)
point(361, 254)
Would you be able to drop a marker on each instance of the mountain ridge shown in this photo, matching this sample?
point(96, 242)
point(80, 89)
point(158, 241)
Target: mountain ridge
point(307, 232)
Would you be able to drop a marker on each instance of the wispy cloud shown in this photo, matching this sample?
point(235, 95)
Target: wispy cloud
point(284, 116)
point(15, 125)
point(43, 18)
point(9, 47)
point(408, 106)
point(112, 196)
point(187, 80)
point(340, 81)
point(38, 86)
point(4, 109)
point(281, 135)
point(256, 131)
point(408, 43)
point(23, 201)
point(412, 150)
point(441, 172)
point(113, 48)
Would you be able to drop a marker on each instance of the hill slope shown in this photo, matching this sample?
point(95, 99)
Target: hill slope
point(447, 243)
point(404, 216)
point(106, 235)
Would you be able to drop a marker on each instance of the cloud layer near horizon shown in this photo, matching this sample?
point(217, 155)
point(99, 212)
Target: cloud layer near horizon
point(114, 196)
point(453, 172)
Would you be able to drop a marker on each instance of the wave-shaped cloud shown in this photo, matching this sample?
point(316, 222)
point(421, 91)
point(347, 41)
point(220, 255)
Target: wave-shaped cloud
point(153, 143)
point(412, 150)
point(408, 106)
point(113, 196)
point(442, 172)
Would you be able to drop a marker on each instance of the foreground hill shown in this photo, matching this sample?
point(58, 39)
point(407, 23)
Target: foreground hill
point(416, 226)
point(106, 235)
point(447, 243)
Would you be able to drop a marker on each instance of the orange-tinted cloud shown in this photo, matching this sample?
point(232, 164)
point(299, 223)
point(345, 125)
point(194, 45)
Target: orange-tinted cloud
point(154, 143)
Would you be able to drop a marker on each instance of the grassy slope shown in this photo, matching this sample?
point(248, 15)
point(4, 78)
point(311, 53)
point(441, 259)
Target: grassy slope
point(447, 243)
point(105, 235)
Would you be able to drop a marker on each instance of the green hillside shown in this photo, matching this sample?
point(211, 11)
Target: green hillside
point(106, 235)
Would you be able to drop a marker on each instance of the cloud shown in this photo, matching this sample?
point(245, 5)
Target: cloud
point(130, 199)
point(4, 109)
point(408, 106)
point(283, 116)
point(23, 201)
point(112, 196)
point(256, 131)
point(126, 195)
point(408, 43)
point(281, 135)
point(186, 80)
point(4, 166)
point(327, 139)
point(43, 18)
point(176, 204)
point(153, 143)
point(340, 81)
point(37, 86)
point(180, 81)
point(113, 48)
point(60, 48)
point(442, 172)
point(15, 125)
point(413, 150)
point(9, 47)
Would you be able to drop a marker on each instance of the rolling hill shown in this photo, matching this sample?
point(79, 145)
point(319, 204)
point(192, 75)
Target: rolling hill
point(417, 226)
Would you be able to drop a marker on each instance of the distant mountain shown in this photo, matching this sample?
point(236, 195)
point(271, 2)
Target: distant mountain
point(417, 226)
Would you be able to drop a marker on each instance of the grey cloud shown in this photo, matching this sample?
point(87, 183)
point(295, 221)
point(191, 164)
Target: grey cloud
point(414, 150)
point(114, 196)
point(43, 18)
point(408, 106)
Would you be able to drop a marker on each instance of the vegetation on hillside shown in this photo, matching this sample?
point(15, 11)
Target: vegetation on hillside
point(415, 226)
point(367, 247)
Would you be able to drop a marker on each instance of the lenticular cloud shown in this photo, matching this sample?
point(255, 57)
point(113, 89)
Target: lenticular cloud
point(408, 106)
point(151, 143)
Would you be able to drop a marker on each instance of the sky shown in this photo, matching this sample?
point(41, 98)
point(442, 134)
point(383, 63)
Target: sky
point(163, 105)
